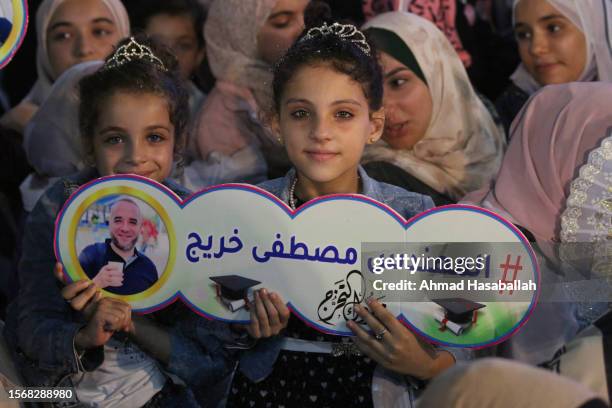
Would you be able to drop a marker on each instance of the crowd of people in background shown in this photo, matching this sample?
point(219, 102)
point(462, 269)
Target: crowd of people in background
point(493, 103)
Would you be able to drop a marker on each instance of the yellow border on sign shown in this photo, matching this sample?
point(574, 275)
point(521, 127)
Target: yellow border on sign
point(18, 21)
point(129, 191)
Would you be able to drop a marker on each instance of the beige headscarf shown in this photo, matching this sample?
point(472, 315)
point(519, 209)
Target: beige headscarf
point(594, 19)
point(45, 12)
point(231, 45)
point(463, 147)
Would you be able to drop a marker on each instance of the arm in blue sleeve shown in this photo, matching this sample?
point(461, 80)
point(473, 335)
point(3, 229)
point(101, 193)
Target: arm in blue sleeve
point(199, 355)
point(46, 325)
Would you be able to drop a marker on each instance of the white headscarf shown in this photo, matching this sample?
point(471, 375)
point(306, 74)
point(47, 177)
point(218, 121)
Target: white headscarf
point(45, 12)
point(6, 10)
point(462, 148)
point(593, 18)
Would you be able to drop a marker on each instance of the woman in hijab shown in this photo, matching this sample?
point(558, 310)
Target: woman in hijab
point(243, 41)
point(438, 131)
point(52, 138)
point(551, 139)
point(559, 41)
point(74, 36)
point(68, 32)
point(554, 133)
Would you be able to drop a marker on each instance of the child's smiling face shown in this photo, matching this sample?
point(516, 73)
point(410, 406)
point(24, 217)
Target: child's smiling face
point(134, 135)
point(325, 123)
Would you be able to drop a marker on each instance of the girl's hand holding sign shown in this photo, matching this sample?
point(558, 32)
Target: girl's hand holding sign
point(394, 347)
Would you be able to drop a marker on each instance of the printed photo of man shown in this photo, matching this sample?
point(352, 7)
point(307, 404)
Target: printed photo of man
point(115, 264)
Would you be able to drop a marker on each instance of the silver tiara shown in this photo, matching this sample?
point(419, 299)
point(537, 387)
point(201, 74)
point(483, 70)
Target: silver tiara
point(346, 32)
point(133, 51)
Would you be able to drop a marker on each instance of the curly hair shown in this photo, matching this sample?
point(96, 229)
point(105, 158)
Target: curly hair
point(138, 76)
point(341, 55)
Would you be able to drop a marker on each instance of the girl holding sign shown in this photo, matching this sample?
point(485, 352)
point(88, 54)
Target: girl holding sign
point(132, 116)
point(328, 102)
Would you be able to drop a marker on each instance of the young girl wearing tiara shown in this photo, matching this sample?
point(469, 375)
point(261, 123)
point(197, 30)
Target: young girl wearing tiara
point(328, 106)
point(132, 116)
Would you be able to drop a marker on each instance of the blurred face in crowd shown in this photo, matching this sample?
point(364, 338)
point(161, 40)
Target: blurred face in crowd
point(134, 135)
point(124, 226)
point(552, 48)
point(283, 26)
point(178, 33)
point(79, 31)
point(408, 104)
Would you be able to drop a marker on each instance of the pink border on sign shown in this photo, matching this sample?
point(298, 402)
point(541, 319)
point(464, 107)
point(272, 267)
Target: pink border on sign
point(293, 214)
point(24, 21)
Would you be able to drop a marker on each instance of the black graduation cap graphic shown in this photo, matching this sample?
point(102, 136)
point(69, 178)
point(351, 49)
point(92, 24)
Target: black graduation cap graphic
point(234, 291)
point(458, 314)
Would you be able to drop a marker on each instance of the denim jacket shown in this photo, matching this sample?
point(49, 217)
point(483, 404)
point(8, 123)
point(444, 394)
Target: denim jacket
point(41, 326)
point(407, 203)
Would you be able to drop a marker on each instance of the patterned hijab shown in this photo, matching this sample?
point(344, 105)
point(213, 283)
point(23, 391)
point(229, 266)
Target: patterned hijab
point(594, 19)
point(231, 45)
point(45, 12)
point(442, 13)
point(551, 139)
point(462, 148)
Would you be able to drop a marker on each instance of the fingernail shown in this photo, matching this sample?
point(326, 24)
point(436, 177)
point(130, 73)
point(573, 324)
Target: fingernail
point(357, 308)
point(370, 300)
point(264, 292)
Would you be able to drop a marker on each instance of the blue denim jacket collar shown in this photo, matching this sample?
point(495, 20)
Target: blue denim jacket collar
point(406, 203)
point(370, 187)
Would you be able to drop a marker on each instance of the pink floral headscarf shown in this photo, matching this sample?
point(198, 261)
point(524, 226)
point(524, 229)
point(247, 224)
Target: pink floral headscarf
point(440, 12)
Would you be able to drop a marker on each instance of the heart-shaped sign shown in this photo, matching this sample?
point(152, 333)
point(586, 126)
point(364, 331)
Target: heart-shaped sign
point(139, 241)
point(13, 27)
